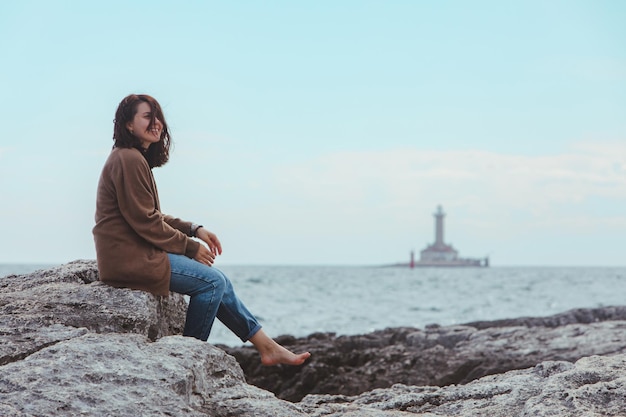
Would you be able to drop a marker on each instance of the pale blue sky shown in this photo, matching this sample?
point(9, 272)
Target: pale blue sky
point(327, 132)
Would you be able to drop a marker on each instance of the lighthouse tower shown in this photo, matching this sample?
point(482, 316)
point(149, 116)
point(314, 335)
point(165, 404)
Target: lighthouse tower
point(439, 215)
point(439, 251)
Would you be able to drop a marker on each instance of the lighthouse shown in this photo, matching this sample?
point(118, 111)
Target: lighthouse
point(441, 253)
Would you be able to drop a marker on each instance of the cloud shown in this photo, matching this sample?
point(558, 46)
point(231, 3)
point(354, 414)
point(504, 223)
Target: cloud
point(529, 190)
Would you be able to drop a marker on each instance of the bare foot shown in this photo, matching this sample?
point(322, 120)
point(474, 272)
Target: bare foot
point(274, 354)
point(283, 356)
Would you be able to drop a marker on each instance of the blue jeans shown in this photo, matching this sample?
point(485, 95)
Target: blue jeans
point(211, 295)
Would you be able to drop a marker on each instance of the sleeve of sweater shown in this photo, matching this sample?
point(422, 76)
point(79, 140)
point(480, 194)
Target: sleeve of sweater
point(138, 204)
point(178, 224)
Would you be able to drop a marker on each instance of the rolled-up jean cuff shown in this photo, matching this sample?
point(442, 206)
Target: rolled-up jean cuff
point(252, 333)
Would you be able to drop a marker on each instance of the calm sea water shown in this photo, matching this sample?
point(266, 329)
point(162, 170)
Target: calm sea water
point(355, 300)
point(301, 300)
point(8, 269)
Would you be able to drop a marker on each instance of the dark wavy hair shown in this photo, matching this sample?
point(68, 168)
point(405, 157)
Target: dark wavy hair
point(157, 153)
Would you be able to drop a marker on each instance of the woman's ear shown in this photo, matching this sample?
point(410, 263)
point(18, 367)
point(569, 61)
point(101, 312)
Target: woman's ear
point(129, 126)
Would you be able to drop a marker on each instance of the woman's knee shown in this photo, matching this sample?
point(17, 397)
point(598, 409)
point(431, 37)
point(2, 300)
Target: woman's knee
point(221, 283)
point(225, 281)
point(213, 281)
point(208, 281)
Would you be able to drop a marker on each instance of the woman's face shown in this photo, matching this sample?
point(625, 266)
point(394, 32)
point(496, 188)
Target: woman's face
point(139, 126)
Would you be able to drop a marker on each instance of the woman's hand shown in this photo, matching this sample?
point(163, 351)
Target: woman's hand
point(204, 255)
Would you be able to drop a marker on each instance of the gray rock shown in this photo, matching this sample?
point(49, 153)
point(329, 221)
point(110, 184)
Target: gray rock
point(592, 387)
point(48, 306)
point(128, 375)
point(71, 346)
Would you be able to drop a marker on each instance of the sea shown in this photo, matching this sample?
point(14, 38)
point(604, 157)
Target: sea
point(347, 300)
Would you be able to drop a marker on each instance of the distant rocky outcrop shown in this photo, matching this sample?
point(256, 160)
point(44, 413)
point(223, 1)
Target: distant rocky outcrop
point(70, 345)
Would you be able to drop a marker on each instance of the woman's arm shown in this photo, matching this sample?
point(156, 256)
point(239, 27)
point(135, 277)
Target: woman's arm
point(178, 224)
point(204, 255)
point(138, 204)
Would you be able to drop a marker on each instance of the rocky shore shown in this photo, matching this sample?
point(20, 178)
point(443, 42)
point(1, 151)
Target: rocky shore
point(437, 356)
point(71, 346)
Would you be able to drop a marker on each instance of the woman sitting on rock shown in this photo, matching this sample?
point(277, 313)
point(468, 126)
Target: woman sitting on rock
point(139, 247)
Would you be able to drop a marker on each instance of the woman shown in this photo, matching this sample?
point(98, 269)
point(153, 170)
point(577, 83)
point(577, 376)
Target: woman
point(139, 247)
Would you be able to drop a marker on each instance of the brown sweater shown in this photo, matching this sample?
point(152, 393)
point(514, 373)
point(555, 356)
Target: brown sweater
point(132, 236)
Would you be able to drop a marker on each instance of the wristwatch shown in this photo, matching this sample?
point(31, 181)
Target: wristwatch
point(194, 229)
